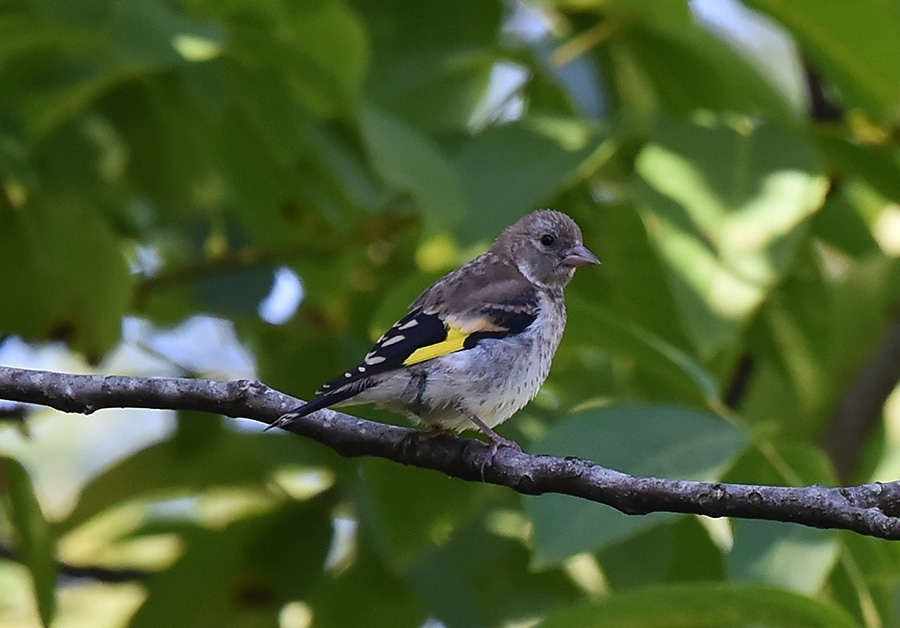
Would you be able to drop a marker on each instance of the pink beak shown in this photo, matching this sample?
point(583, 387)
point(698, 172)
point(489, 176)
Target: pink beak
point(580, 256)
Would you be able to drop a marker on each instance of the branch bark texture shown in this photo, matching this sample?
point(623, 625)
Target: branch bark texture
point(869, 509)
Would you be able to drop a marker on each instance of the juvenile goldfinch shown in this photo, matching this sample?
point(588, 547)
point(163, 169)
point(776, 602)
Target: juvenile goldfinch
point(476, 346)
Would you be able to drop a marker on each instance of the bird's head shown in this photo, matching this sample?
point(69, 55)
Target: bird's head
point(546, 246)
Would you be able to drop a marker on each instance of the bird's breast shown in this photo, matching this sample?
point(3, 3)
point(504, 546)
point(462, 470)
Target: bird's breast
point(500, 376)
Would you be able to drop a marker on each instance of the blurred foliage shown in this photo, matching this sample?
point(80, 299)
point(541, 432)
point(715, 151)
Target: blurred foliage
point(161, 159)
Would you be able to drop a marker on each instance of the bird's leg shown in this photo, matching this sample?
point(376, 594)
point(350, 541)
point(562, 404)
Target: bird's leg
point(497, 441)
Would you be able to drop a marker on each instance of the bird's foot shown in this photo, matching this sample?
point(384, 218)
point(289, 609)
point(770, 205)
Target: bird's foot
point(497, 442)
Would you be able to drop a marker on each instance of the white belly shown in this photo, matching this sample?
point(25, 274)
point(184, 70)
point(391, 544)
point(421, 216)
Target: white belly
point(492, 394)
point(494, 380)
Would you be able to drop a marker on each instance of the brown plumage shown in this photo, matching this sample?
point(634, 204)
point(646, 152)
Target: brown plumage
point(476, 345)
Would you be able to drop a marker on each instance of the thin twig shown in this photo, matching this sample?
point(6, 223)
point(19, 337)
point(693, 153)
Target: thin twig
point(110, 575)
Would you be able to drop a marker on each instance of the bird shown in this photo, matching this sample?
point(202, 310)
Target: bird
point(476, 346)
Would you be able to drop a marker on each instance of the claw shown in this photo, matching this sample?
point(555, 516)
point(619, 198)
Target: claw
point(496, 443)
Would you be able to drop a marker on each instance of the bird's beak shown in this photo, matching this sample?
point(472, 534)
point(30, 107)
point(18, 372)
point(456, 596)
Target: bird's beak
point(580, 256)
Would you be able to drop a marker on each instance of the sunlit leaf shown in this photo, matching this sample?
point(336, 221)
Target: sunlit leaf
point(189, 464)
point(726, 208)
point(851, 42)
point(35, 543)
point(251, 567)
point(663, 57)
point(700, 606)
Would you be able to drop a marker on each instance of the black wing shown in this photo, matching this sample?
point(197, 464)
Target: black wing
point(415, 330)
point(418, 330)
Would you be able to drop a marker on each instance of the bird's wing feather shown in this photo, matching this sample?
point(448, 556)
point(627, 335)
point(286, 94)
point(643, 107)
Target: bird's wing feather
point(431, 329)
point(415, 330)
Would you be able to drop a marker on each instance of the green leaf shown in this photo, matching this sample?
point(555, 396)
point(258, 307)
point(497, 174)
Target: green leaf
point(21, 314)
point(51, 89)
point(252, 566)
point(658, 441)
point(679, 551)
point(667, 364)
point(863, 581)
point(807, 336)
point(78, 283)
point(156, 35)
point(852, 42)
point(782, 555)
point(211, 558)
point(236, 291)
point(413, 164)
point(36, 544)
point(290, 546)
point(317, 51)
point(878, 166)
point(632, 281)
point(402, 532)
point(367, 594)
point(192, 462)
point(726, 208)
point(477, 578)
point(701, 606)
point(793, 330)
point(782, 462)
point(432, 62)
point(841, 225)
point(663, 57)
point(509, 170)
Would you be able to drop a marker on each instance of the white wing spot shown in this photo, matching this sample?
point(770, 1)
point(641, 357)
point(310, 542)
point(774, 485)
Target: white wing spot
point(361, 369)
point(348, 374)
point(409, 325)
point(393, 341)
point(374, 359)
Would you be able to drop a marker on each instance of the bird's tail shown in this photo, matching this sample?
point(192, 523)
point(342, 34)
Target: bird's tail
point(324, 401)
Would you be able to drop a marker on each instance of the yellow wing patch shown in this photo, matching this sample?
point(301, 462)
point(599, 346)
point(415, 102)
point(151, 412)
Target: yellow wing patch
point(454, 341)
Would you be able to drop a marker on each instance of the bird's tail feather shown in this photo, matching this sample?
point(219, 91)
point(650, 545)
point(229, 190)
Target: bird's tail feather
point(324, 401)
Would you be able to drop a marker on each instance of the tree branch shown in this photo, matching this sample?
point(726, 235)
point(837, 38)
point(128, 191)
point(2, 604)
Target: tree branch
point(862, 405)
point(867, 509)
point(108, 575)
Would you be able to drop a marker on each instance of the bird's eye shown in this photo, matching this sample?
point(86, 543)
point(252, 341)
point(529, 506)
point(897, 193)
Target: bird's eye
point(547, 239)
